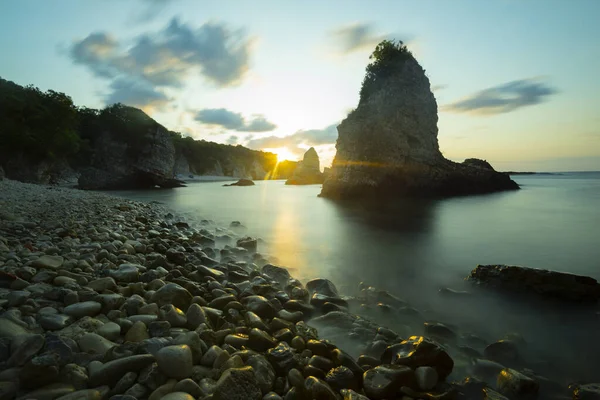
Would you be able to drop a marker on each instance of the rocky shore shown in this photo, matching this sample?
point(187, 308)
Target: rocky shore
point(105, 298)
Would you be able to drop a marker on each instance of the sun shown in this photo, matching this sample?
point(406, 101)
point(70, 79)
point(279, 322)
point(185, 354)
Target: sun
point(282, 153)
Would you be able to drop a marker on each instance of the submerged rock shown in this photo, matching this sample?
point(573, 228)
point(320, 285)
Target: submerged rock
point(418, 351)
point(242, 182)
point(388, 146)
point(542, 282)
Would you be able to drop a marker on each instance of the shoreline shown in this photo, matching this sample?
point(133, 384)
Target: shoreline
point(118, 279)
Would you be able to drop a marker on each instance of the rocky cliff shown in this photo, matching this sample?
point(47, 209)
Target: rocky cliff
point(45, 138)
point(308, 171)
point(388, 145)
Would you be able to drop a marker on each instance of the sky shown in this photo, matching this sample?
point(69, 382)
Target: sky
point(516, 82)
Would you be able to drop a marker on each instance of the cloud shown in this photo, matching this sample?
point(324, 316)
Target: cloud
point(503, 98)
point(137, 94)
point(233, 121)
point(437, 88)
point(166, 58)
point(306, 138)
point(151, 9)
point(232, 140)
point(357, 37)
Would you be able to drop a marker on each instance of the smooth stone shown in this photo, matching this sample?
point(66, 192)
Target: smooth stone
point(237, 384)
point(110, 331)
point(322, 286)
point(317, 389)
point(125, 383)
point(385, 380)
point(163, 390)
point(178, 396)
point(514, 384)
point(137, 333)
point(502, 351)
point(126, 273)
point(17, 298)
point(260, 306)
point(10, 329)
point(8, 390)
point(24, 348)
point(174, 316)
point(101, 284)
point(341, 378)
point(172, 293)
point(110, 372)
point(427, 378)
point(63, 281)
point(590, 391)
point(175, 361)
point(282, 358)
point(84, 309)
point(50, 262)
point(98, 393)
point(49, 392)
point(190, 387)
point(93, 343)
point(263, 372)
point(195, 316)
point(418, 351)
point(159, 328)
point(53, 322)
point(209, 358)
point(348, 394)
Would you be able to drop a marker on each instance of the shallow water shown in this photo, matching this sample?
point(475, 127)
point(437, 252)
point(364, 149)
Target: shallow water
point(414, 247)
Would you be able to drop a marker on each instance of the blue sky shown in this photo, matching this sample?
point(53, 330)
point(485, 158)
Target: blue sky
point(516, 81)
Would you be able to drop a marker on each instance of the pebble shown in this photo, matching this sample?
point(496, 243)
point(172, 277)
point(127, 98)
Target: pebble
point(175, 361)
point(83, 309)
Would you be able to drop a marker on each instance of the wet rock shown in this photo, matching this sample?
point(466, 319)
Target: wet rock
point(159, 328)
point(440, 331)
point(211, 355)
point(278, 274)
point(590, 391)
point(8, 390)
point(516, 385)
point(260, 340)
point(427, 378)
point(10, 329)
point(260, 306)
point(237, 384)
point(341, 378)
point(125, 383)
point(163, 390)
point(317, 389)
point(542, 282)
point(322, 286)
point(283, 358)
point(173, 294)
point(83, 309)
point(263, 372)
point(248, 243)
point(195, 316)
point(502, 351)
point(418, 351)
point(174, 316)
point(348, 394)
point(102, 284)
point(384, 381)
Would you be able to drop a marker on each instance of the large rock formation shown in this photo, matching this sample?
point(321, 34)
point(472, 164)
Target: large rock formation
point(308, 171)
point(389, 146)
point(146, 160)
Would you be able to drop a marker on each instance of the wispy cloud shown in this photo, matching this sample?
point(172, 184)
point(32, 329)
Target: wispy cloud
point(151, 9)
point(297, 142)
point(165, 59)
point(356, 37)
point(504, 98)
point(234, 121)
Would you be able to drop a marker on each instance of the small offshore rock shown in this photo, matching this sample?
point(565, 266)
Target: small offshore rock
point(512, 383)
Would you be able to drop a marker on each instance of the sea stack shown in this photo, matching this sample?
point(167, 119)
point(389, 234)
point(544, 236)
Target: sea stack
point(308, 171)
point(388, 145)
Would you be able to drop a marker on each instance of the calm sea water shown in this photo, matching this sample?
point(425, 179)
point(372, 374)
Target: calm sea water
point(413, 248)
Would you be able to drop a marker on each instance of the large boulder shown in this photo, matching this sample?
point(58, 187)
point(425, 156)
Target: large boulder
point(546, 283)
point(308, 171)
point(133, 152)
point(388, 146)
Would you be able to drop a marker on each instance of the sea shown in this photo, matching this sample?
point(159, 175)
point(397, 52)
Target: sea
point(413, 248)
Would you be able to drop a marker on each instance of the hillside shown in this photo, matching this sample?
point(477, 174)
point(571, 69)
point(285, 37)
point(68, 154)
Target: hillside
point(45, 138)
